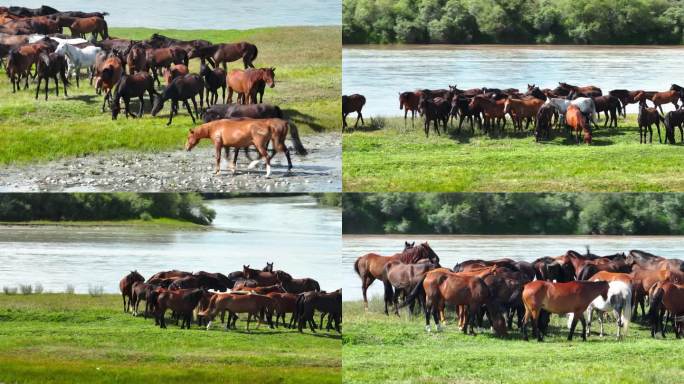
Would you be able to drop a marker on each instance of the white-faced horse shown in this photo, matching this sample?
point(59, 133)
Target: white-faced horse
point(619, 301)
point(79, 58)
point(585, 104)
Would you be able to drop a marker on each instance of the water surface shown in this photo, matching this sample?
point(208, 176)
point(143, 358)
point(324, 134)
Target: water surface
point(228, 14)
point(295, 233)
point(455, 249)
point(380, 73)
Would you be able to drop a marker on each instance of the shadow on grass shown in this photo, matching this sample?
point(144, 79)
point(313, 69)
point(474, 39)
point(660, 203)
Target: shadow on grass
point(302, 118)
point(88, 99)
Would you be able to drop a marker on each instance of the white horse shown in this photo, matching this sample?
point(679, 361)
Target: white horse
point(79, 58)
point(619, 301)
point(585, 104)
point(37, 37)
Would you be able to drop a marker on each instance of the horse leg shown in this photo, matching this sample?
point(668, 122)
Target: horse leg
point(194, 104)
point(367, 281)
point(38, 87)
point(187, 106)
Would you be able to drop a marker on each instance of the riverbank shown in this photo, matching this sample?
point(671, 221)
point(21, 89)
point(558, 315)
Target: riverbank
point(377, 348)
point(154, 223)
point(388, 155)
point(308, 75)
point(61, 338)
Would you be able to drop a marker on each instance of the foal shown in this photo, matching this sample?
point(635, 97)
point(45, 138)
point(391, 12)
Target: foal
point(214, 79)
point(646, 118)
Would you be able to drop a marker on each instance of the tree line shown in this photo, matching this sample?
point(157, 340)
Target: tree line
point(515, 213)
point(104, 206)
point(513, 21)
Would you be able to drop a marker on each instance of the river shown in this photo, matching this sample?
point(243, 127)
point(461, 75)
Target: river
point(380, 73)
point(294, 232)
point(455, 249)
point(227, 14)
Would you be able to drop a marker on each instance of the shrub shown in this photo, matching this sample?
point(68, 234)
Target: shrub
point(95, 291)
point(26, 289)
point(69, 289)
point(9, 291)
point(38, 289)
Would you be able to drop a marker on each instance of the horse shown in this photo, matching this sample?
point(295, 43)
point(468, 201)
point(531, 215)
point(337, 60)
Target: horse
point(182, 88)
point(434, 110)
point(141, 291)
point(586, 91)
point(572, 297)
point(492, 110)
point(610, 106)
point(110, 74)
point(543, 122)
point(327, 303)
point(284, 303)
point(409, 101)
point(79, 58)
point(296, 285)
point(245, 83)
point(235, 111)
point(213, 79)
point(252, 304)
point(172, 274)
point(181, 302)
point(95, 25)
point(585, 104)
point(520, 109)
point(577, 122)
point(50, 66)
point(399, 277)
point(133, 86)
point(626, 97)
point(262, 278)
point(352, 103)
point(667, 296)
point(175, 70)
point(665, 97)
point(158, 58)
point(225, 53)
point(125, 286)
point(646, 118)
point(136, 59)
point(243, 133)
point(619, 301)
point(460, 107)
point(672, 120)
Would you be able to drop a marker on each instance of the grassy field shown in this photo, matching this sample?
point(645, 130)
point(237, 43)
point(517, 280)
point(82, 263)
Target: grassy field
point(155, 223)
point(59, 338)
point(380, 349)
point(308, 76)
point(395, 158)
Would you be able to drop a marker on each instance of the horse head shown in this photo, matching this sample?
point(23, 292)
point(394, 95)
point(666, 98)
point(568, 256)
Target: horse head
point(431, 255)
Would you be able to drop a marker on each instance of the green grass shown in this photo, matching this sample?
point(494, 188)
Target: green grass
point(308, 76)
point(377, 348)
point(395, 158)
point(60, 338)
point(155, 223)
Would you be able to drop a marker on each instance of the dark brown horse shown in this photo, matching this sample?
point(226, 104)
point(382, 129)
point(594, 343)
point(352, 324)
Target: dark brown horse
point(169, 274)
point(213, 80)
point(352, 103)
point(435, 110)
point(371, 266)
point(401, 278)
point(292, 285)
point(572, 297)
point(245, 83)
point(610, 106)
point(409, 101)
point(126, 286)
point(133, 86)
point(182, 88)
point(646, 118)
point(586, 91)
point(95, 25)
point(183, 302)
point(263, 278)
point(674, 119)
point(225, 53)
point(284, 303)
point(235, 111)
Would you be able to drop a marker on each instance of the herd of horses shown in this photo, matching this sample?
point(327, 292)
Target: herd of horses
point(573, 107)
point(32, 47)
point(202, 296)
point(504, 289)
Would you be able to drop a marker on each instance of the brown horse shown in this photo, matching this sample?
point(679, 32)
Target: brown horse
point(226, 53)
point(572, 297)
point(136, 59)
point(492, 110)
point(284, 303)
point(587, 90)
point(352, 103)
point(372, 265)
point(19, 66)
point(169, 275)
point(578, 123)
point(110, 74)
point(133, 86)
point(252, 304)
point(51, 66)
point(126, 286)
point(262, 290)
point(245, 83)
point(667, 296)
point(159, 58)
point(402, 278)
point(176, 70)
point(183, 302)
point(324, 302)
point(262, 277)
point(646, 118)
point(292, 285)
point(95, 25)
point(520, 109)
point(243, 133)
point(660, 98)
point(408, 101)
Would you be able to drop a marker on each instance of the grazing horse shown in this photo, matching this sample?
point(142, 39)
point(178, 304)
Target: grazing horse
point(252, 304)
point(235, 111)
point(371, 266)
point(627, 97)
point(674, 119)
point(492, 110)
point(213, 79)
point(520, 109)
point(578, 123)
point(409, 101)
point(434, 110)
point(95, 25)
point(244, 133)
point(402, 278)
point(182, 88)
point(352, 103)
point(182, 302)
point(126, 286)
point(326, 303)
point(619, 301)
point(110, 74)
point(50, 66)
point(646, 118)
point(296, 285)
point(667, 296)
point(79, 58)
point(245, 83)
point(586, 91)
point(660, 98)
point(543, 122)
point(572, 297)
point(610, 106)
point(141, 291)
point(133, 86)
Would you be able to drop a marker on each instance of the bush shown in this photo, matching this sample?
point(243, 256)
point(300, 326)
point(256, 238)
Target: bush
point(9, 291)
point(95, 291)
point(26, 289)
point(145, 216)
point(38, 289)
point(69, 289)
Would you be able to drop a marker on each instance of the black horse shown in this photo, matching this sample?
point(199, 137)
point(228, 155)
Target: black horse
point(182, 88)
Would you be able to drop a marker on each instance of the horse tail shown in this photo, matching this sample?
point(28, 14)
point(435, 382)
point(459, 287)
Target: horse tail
point(656, 299)
point(279, 112)
point(627, 310)
point(294, 135)
point(417, 290)
point(254, 52)
point(105, 30)
point(356, 267)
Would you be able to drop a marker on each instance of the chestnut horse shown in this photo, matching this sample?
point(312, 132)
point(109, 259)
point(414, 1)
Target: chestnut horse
point(252, 304)
point(245, 83)
point(95, 25)
point(587, 91)
point(520, 109)
point(352, 103)
point(126, 286)
point(296, 285)
point(671, 96)
point(493, 111)
point(261, 277)
point(577, 122)
point(110, 74)
point(572, 297)
point(667, 296)
point(371, 266)
point(243, 133)
point(408, 101)
point(284, 303)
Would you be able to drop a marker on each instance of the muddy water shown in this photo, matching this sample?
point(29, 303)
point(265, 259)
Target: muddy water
point(455, 249)
point(294, 232)
point(380, 73)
